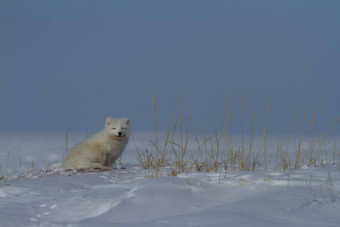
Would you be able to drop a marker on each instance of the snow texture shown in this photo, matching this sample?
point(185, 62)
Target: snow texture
point(50, 196)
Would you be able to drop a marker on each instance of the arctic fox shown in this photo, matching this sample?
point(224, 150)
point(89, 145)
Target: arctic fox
point(102, 149)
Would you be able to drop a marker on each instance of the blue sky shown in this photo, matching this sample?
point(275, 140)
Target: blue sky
point(67, 65)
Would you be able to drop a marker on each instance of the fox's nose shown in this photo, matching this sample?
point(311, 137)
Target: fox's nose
point(119, 134)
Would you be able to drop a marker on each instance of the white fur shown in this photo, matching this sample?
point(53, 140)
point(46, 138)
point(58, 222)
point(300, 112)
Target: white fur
point(102, 149)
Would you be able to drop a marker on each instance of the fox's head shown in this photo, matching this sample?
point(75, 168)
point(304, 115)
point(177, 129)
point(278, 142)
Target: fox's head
point(117, 127)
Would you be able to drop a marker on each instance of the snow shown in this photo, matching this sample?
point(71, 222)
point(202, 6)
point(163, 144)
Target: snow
point(47, 195)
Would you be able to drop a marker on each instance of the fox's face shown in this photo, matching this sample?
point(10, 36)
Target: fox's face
point(117, 127)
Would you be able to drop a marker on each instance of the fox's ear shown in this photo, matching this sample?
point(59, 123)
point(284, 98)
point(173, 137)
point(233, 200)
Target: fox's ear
point(127, 121)
point(107, 122)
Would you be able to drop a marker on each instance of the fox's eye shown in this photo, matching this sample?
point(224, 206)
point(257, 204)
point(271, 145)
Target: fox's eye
point(122, 128)
point(114, 128)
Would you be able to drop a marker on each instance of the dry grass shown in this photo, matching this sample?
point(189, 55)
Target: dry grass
point(183, 152)
point(66, 142)
point(330, 187)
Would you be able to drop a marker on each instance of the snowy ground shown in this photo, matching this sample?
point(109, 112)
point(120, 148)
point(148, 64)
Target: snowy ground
point(49, 196)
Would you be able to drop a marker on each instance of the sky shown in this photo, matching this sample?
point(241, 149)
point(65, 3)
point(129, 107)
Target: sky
point(66, 65)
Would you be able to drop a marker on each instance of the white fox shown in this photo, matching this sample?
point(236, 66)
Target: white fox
point(102, 149)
